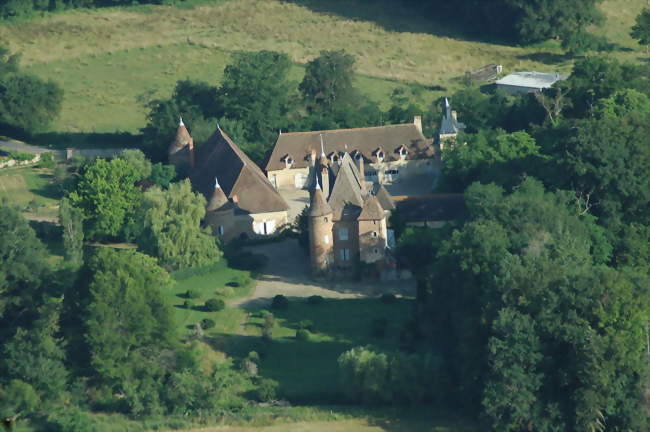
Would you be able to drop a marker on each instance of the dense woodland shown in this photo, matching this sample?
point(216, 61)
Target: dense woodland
point(532, 312)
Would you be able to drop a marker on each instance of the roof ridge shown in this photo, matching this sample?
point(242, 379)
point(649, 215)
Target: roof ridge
point(347, 129)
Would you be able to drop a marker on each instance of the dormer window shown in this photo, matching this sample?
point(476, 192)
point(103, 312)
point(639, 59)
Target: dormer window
point(358, 156)
point(380, 155)
point(288, 160)
point(334, 158)
point(402, 152)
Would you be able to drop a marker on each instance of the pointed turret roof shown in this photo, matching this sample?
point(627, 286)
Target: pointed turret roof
point(181, 139)
point(346, 190)
point(318, 206)
point(218, 198)
point(449, 124)
point(372, 210)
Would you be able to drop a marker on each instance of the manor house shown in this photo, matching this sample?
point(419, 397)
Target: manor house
point(385, 154)
point(241, 200)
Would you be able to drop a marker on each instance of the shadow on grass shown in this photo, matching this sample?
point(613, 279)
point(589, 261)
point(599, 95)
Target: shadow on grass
point(400, 17)
point(545, 57)
point(91, 140)
point(49, 188)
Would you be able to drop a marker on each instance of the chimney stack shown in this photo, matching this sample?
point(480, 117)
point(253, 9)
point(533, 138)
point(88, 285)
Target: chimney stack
point(454, 115)
point(417, 121)
point(325, 180)
point(359, 160)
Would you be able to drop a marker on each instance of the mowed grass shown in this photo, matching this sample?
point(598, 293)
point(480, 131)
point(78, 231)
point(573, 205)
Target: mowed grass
point(308, 370)
point(112, 61)
point(212, 282)
point(32, 190)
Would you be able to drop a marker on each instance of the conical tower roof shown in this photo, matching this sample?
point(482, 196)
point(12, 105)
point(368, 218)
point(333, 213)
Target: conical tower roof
point(218, 198)
point(182, 138)
point(319, 206)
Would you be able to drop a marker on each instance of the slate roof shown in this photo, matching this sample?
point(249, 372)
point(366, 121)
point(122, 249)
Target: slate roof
point(319, 206)
point(365, 140)
point(449, 125)
point(432, 208)
point(372, 209)
point(538, 80)
point(181, 139)
point(345, 193)
point(218, 199)
point(238, 176)
point(384, 197)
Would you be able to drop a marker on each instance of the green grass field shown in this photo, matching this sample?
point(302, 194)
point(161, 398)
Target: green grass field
point(32, 190)
point(112, 61)
point(213, 283)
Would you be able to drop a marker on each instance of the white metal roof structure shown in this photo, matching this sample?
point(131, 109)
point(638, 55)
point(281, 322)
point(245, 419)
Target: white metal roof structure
point(533, 80)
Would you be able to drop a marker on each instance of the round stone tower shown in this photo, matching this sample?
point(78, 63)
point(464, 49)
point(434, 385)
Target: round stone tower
point(321, 241)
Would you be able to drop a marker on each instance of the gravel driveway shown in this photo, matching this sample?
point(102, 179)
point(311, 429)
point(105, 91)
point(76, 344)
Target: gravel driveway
point(287, 273)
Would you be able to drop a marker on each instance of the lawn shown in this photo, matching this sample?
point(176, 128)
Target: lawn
point(307, 370)
point(112, 61)
point(32, 190)
point(216, 281)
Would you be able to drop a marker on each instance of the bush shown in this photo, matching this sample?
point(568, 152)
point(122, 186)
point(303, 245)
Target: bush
point(315, 300)
point(47, 160)
point(280, 302)
point(302, 335)
point(267, 326)
point(192, 293)
point(378, 327)
point(388, 298)
point(306, 324)
point(265, 390)
point(226, 291)
point(248, 261)
point(214, 305)
point(188, 304)
point(207, 323)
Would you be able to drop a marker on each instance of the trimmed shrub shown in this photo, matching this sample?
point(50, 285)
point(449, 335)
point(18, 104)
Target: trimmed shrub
point(315, 300)
point(192, 293)
point(302, 335)
point(207, 323)
point(280, 302)
point(226, 291)
point(388, 298)
point(214, 305)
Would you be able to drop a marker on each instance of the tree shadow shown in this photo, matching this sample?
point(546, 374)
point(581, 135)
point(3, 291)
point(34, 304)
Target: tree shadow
point(49, 188)
point(398, 17)
point(545, 57)
point(95, 140)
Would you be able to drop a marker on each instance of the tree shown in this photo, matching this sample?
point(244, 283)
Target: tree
point(641, 28)
point(130, 329)
point(162, 175)
point(255, 89)
point(23, 268)
point(327, 83)
point(623, 103)
point(28, 103)
point(107, 194)
point(36, 355)
point(511, 392)
point(71, 220)
point(172, 227)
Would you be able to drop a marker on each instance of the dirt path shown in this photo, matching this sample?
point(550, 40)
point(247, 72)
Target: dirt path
point(287, 273)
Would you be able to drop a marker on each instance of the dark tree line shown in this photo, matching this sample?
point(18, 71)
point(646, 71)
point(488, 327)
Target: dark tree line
point(10, 9)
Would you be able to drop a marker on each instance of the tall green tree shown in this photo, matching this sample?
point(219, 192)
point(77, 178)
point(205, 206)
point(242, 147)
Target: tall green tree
point(641, 28)
point(108, 196)
point(130, 328)
point(172, 227)
point(255, 89)
point(327, 83)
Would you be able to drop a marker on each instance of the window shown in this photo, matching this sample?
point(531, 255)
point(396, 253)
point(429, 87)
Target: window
point(358, 156)
point(343, 234)
point(326, 239)
point(220, 230)
point(380, 156)
point(374, 233)
point(326, 219)
point(344, 254)
point(391, 172)
point(376, 251)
